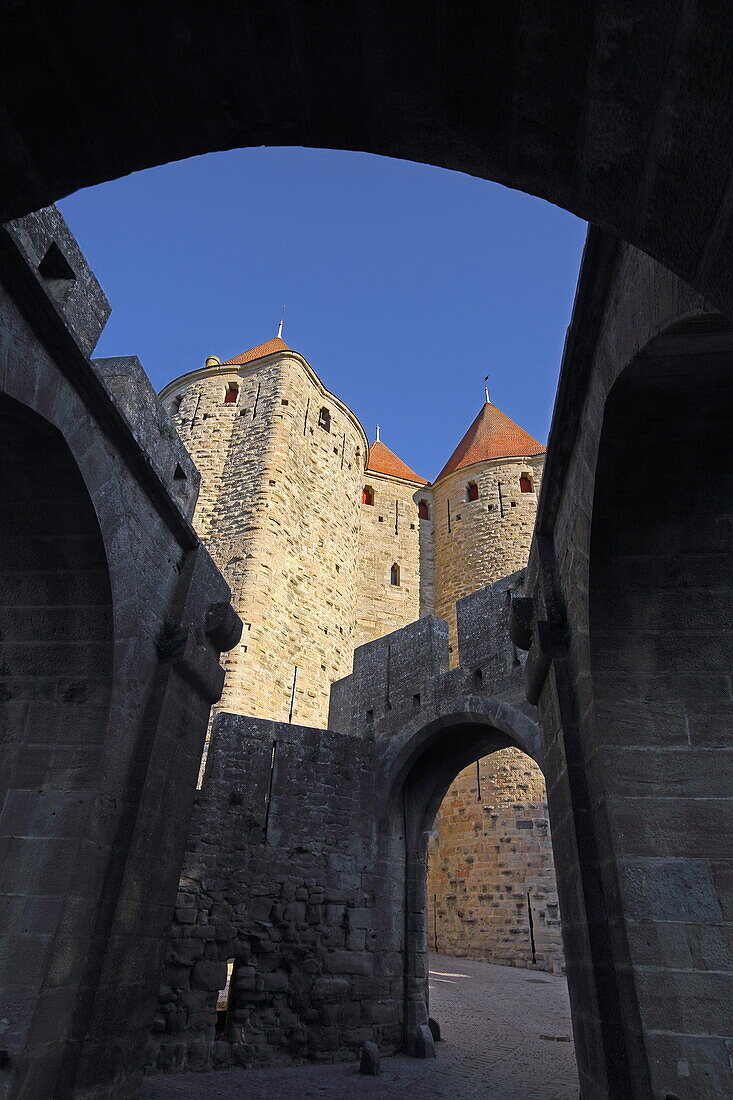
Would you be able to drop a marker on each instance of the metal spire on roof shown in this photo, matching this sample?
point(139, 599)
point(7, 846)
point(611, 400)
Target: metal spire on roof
point(377, 440)
point(280, 326)
point(486, 391)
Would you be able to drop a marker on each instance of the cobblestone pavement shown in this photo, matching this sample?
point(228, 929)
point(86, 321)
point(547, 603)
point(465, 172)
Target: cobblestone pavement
point(506, 1036)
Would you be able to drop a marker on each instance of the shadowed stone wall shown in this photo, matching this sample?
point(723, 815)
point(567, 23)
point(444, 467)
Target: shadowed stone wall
point(112, 617)
point(628, 651)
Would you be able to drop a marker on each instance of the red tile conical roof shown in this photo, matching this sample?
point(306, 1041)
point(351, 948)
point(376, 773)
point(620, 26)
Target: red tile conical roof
point(383, 461)
point(261, 350)
point(492, 435)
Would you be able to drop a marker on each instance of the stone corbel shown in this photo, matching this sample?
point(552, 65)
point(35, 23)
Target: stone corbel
point(192, 646)
point(543, 640)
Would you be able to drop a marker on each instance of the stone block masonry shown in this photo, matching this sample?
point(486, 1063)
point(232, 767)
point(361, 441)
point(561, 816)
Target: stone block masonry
point(279, 510)
point(283, 877)
point(324, 556)
point(304, 879)
point(390, 534)
point(112, 618)
point(492, 892)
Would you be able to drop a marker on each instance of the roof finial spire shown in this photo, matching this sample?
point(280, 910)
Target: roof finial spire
point(280, 326)
point(377, 433)
point(486, 391)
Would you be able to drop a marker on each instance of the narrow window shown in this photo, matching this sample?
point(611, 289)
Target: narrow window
point(423, 510)
point(525, 484)
point(324, 420)
point(367, 495)
point(223, 1002)
point(394, 575)
point(230, 397)
point(177, 402)
point(472, 491)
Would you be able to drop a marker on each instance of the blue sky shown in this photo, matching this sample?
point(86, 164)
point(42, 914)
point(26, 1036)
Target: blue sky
point(403, 284)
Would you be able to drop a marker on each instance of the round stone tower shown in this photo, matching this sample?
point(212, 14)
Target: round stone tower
point(491, 855)
point(282, 465)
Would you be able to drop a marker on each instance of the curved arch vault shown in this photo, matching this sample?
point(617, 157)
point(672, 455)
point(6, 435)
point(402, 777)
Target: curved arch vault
point(623, 117)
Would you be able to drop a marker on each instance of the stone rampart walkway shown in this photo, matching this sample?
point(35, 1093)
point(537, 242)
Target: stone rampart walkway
point(506, 1036)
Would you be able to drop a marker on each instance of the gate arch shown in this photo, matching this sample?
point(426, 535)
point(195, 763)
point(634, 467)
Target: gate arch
point(418, 769)
point(660, 649)
point(623, 120)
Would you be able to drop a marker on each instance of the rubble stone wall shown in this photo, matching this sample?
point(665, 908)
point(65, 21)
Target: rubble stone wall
point(282, 876)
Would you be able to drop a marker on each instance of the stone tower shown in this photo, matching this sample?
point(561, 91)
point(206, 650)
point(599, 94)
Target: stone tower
point(491, 854)
point(282, 466)
point(392, 538)
point(316, 532)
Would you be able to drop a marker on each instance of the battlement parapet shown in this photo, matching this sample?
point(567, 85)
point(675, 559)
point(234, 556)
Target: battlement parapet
point(406, 673)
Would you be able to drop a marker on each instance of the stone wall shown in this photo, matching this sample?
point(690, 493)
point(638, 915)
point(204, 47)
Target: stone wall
point(629, 659)
point(390, 533)
point(282, 876)
point(307, 849)
point(112, 617)
point(280, 514)
point(485, 878)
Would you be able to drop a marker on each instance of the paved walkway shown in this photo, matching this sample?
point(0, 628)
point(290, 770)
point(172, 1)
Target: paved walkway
point(506, 1036)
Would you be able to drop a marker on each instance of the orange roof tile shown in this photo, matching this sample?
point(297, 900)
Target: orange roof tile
point(492, 435)
point(268, 348)
point(383, 461)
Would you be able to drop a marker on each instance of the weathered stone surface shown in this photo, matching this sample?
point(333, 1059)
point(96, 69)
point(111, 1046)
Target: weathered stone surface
point(369, 1059)
point(105, 700)
point(422, 1042)
point(296, 868)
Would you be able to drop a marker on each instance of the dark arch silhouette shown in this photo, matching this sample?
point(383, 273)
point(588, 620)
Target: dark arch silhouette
point(57, 633)
point(660, 574)
point(623, 120)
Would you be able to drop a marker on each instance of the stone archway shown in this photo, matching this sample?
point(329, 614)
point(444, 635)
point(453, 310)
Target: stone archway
point(661, 648)
point(626, 526)
point(621, 118)
point(57, 663)
point(428, 759)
